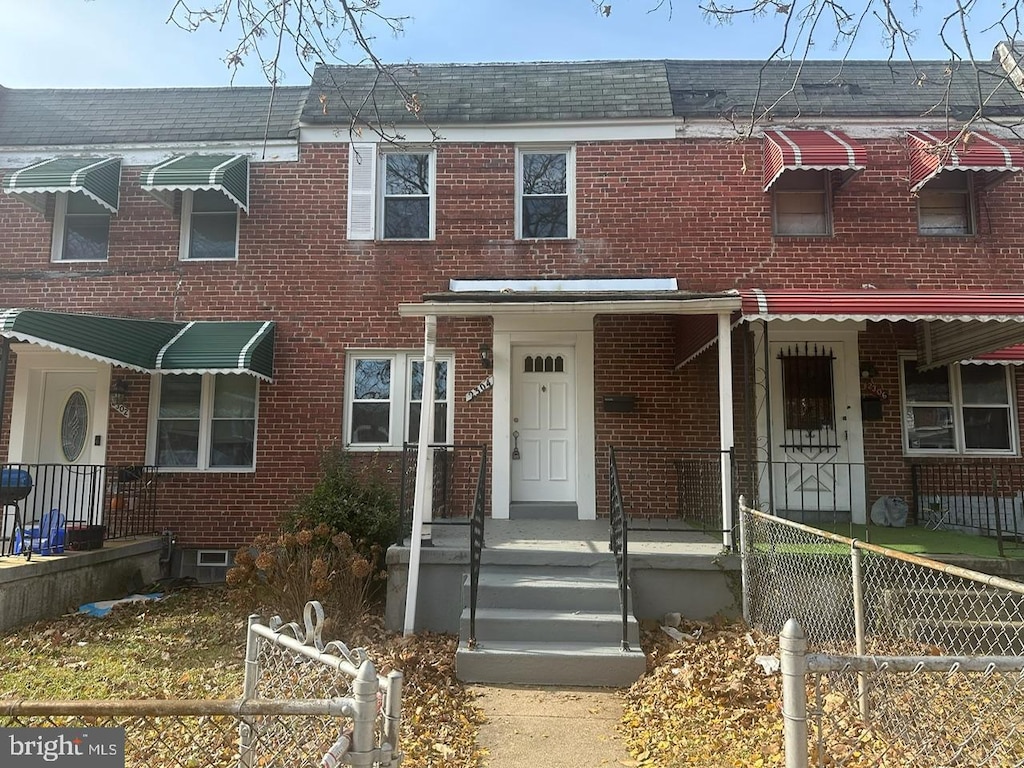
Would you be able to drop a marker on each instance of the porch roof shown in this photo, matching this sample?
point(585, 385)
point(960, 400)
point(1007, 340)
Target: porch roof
point(150, 346)
point(651, 296)
point(953, 325)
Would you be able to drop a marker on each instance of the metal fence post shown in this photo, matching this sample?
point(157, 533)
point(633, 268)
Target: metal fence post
point(744, 565)
point(393, 709)
point(364, 693)
point(793, 657)
point(249, 680)
point(860, 633)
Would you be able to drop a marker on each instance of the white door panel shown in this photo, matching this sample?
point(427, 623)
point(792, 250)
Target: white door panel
point(543, 424)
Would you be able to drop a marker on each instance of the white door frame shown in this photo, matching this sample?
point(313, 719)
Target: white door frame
point(816, 331)
point(575, 330)
point(33, 363)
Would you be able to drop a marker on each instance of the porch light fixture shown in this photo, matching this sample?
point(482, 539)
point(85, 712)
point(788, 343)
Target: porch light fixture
point(486, 356)
point(119, 391)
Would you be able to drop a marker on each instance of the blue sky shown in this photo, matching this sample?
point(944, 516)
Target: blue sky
point(127, 43)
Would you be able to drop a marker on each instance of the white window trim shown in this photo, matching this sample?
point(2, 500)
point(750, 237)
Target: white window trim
point(957, 404)
point(570, 188)
point(829, 222)
point(401, 360)
point(205, 426)
point(60, 212)
point(381, 192)
point(185, 241)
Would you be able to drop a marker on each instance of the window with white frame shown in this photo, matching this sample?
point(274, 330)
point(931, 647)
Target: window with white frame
point(545, 194)
point(384, 398)
point(958, 409)
point(800, 204)
point(391, 193)
point(209, 225)
point(204, 422)
point(945, 206)
point(81, 228)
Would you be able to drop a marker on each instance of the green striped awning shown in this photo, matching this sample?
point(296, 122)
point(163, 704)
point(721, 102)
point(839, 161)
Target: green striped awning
point(220, 347)
point(98, 178)
point(151, 346)
point(228, 174)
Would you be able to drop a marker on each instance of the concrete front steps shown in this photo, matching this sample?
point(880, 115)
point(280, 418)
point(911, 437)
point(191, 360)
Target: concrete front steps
point(548, 625)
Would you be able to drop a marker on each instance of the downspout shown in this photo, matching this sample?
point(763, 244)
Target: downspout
point(422, 497)
point(725, 421)
point(5, 351)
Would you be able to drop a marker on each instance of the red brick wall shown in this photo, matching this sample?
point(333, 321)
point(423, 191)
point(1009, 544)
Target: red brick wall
point(691, 209)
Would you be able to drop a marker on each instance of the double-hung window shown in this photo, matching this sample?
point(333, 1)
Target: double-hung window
point(209, 225)
point(384, 395)
point(545, 194)
point(204, 421)
point(391, 193)
point(945, 206)
point(801, 204)
point(81, 228)
point(958, 409)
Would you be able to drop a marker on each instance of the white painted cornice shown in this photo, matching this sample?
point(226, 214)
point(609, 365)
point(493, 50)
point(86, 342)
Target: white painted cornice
point(279, 151)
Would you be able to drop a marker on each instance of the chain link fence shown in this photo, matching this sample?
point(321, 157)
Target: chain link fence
point(302, 699)
point(912, 663)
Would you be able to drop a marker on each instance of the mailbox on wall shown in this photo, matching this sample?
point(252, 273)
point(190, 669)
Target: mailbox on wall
point(619, 403)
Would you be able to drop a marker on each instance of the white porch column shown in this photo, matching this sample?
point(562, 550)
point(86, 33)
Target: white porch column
point(422, 498)
point(725, 420)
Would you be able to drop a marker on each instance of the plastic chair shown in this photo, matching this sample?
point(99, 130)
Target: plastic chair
point(47, 538)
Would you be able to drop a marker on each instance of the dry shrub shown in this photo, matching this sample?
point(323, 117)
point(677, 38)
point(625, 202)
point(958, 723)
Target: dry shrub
point(282, 574)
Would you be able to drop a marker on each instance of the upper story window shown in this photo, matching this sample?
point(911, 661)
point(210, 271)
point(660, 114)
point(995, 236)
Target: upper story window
point(545, 194)
point(81, 228)
point(209, 225)
point(946, 205)
point(384, 398)
point(801, 204)
point(391, 194)
point(204, 422)
point(958, 409)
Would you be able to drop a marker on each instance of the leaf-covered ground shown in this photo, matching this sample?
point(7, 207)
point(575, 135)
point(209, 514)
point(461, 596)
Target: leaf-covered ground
point(191, 645)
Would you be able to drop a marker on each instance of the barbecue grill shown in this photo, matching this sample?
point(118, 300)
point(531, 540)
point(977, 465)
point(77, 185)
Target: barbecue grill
point(15, 485)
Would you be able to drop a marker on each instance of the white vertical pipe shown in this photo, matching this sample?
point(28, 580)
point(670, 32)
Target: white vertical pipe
point(421, 498)
point(725, 421)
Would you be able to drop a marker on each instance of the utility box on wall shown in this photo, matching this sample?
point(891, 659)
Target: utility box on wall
point(871, 408)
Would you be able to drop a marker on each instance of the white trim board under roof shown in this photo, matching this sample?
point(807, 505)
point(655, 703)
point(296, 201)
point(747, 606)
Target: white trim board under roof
point(540, 132)
point(150, 155)
point(573, 285)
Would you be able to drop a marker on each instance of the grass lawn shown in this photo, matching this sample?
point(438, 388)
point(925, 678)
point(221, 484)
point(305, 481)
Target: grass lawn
point(922, 541)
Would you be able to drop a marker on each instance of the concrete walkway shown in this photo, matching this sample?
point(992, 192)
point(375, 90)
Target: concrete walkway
point(554, 728)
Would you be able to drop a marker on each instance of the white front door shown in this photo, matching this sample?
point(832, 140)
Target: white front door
point(812, 420)
point(543, 424)
point(67, 427)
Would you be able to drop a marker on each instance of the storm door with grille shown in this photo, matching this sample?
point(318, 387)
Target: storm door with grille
point(809, 428)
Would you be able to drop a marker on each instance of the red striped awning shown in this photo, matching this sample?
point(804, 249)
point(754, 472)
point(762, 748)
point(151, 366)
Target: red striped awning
point(936, 152)
point(789, 304)
point(790, 150)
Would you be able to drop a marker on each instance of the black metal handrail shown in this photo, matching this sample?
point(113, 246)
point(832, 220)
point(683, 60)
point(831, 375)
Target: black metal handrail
point(451, 485)
point(52, 507)
point(476, 543)
point(619, 542)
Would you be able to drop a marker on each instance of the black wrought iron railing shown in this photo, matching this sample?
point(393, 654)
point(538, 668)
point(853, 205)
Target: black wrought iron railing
point(452, 484)
point(619, 542)
point(984, 497)
point(50, 508)
point(676, 484)
point(476, 543)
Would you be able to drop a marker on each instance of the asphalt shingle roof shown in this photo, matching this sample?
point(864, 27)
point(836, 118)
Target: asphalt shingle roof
point(602, 90)
point(494, 93)
point(39, 117)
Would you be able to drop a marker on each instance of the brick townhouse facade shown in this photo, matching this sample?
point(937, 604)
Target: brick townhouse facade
point(256, 289)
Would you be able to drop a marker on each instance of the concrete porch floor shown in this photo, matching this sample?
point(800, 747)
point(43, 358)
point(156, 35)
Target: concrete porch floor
point(646, 537)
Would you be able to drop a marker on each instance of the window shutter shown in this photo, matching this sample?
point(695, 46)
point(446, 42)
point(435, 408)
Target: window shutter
point(362, 177)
